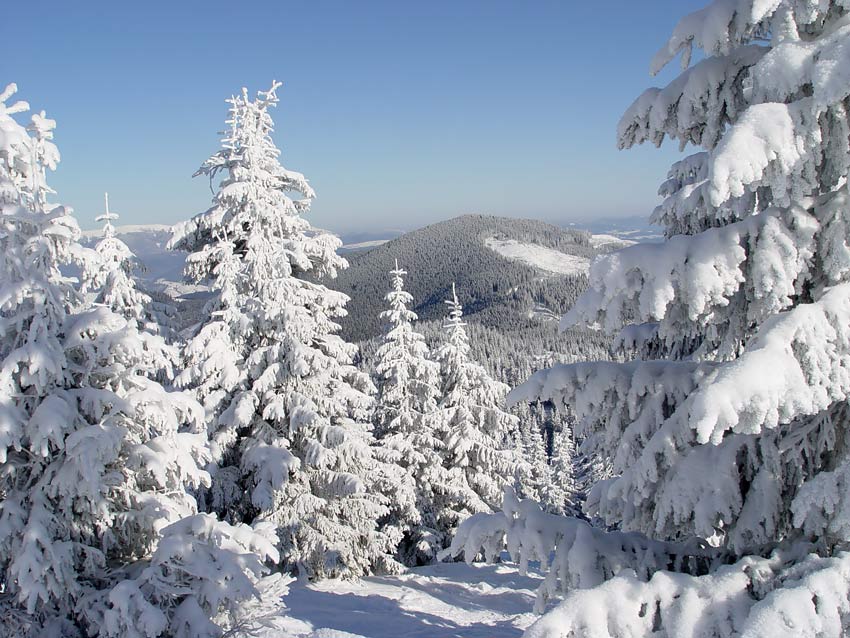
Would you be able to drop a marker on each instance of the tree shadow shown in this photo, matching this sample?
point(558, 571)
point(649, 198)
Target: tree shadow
point(506, 600)
point(501, 574)
point(376, 616)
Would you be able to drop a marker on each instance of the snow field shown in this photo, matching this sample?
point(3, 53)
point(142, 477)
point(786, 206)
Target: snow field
point(548, 259)
point(446, 600)
point(610, 240)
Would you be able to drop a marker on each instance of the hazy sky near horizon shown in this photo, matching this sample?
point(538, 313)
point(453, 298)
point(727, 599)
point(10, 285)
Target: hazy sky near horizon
point(399, 113)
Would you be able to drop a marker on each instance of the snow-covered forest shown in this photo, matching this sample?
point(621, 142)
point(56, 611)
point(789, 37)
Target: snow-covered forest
point(409, 446)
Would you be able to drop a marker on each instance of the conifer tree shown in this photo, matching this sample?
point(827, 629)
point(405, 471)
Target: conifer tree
point(288, 414)
point(478, 458)
point(406, 424)
point(96, 459)
point(109, 275)
point(529, 445)
point(559, 494)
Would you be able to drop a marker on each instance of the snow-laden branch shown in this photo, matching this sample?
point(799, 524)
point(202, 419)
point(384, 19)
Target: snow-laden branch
point(695, 108)
point(689, 282)
point(572, 553)
point(651, 417)
point(784, 596)
point(797, 365)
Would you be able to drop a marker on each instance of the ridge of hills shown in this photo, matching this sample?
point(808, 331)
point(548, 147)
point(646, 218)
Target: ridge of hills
point(508, 272)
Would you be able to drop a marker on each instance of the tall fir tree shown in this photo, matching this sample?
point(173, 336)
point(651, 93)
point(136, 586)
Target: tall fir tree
point(407, 425)
point(560, 493)
point(479, 457)
point(288, 413)
point(96, 459)
point(532, 476)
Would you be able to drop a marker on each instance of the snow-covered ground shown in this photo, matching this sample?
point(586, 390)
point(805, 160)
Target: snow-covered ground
point(178, 290)
point(446, 600)
point(612, 241)
point(363, 245)
point(548, 259)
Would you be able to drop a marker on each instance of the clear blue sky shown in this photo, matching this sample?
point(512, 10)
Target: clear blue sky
point(400, 113)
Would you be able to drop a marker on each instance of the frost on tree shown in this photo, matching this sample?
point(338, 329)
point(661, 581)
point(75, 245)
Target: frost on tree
point(731, 428)
point(479, 458)
point(288, 414)
point(533, 477)
point(407, 427)
point(96, 459)
point(562, 493)
point(108, 276)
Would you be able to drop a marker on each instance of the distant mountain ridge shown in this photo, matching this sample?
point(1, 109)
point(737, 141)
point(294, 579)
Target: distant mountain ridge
point(510, 273)
point(130, 229)
point(148, 242)
point(472, 251)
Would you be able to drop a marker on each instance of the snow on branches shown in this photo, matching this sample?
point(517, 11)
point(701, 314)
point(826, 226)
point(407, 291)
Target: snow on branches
point(572, 553)
point(478, 459)
point(288, 413)
point(97, 460)
point(206, 578)
point(735, 433)
point(107, 275)
point(406, 427)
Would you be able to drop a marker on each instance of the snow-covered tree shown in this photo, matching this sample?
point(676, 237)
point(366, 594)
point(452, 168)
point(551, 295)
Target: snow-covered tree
point(288, 414)
point(205, 579)
point(96, 459)
point(479, 457)
point(406, 425)
point(561, 494)
point(108, 276)
point(110, 253)
point(409, 380)
point(734, 435)
point(532, 476)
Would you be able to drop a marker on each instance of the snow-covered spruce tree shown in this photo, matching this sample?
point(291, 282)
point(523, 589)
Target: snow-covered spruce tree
point(736, 435)
point(479, 457)
point(560, 493)
point(407, 426)
point(108, 276)
point(288, 415)
point(95, 458)
point(532, 476)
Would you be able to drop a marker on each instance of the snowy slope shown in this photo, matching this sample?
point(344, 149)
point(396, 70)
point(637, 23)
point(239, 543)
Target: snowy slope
point(610, 241)
point(363, 245)
point(547, 259)
point(447, 600)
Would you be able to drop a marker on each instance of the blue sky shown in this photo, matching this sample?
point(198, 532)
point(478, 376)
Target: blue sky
point(399, 113)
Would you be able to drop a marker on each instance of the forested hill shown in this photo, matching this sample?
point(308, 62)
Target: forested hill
point(514, 276)
point(499, 291)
